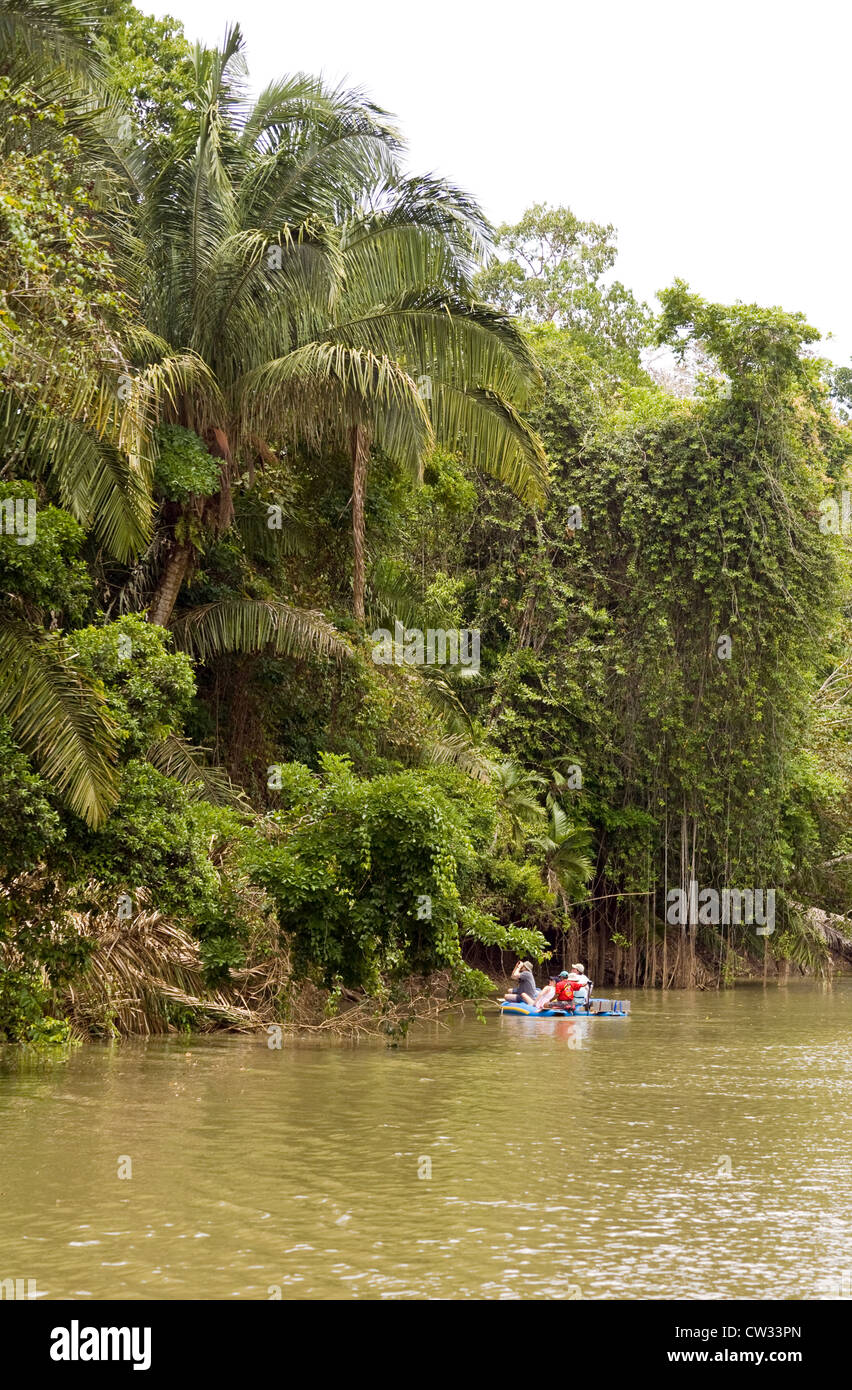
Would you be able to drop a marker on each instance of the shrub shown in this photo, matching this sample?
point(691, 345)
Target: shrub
point(148, 688)
point(184, 467)
point(366, 882)
point(47, 577)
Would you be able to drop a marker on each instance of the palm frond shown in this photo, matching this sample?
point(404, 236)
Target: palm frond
point(492, 436)
point(460, 751)
point(51, 33)
point(59, 719)
point(418, 231)
point(253, 625)
point(566, 847)
point(221, 78)
point(139, 970)
point(265, 542)
point(447, 705)
point(189, 765)
point(181, 387)
point(315, 392)
point(107, 492)
point(313, 150)
point(262, 293)
point(431, 329)
point(394, 593)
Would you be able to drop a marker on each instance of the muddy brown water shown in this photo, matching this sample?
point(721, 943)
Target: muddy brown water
point(700, 1148)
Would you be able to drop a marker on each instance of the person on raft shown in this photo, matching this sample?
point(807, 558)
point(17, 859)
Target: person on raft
point(581, 982)
point(564, 991)
point(563, 998)
point(525, 990)
point(544, 996)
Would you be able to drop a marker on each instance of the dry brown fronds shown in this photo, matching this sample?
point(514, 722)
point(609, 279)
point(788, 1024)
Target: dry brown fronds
point(139, 971)
point(144, 970)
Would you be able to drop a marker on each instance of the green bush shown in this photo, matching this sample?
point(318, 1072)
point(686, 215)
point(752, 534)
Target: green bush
point(39, 951)
point(29, 823)
point(155, 840)
point(148, 688)
point(366, 880)
point(47, 577)
point(184, 467)
point(162, 840)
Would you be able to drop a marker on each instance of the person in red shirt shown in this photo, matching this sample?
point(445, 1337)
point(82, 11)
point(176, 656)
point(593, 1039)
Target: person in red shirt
point(566, 988)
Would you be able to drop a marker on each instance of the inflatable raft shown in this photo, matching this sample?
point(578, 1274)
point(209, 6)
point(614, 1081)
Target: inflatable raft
point(598, 1008)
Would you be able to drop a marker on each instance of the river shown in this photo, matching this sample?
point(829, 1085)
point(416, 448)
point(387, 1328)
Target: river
point(698, 1149)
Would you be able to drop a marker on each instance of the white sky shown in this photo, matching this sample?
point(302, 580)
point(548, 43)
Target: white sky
point(714, 135)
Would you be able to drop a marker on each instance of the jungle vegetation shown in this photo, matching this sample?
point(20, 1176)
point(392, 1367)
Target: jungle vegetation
point(265, 393)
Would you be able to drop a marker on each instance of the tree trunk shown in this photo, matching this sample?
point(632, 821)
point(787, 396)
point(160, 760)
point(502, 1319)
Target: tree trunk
point(360, 462)
point(169, 586)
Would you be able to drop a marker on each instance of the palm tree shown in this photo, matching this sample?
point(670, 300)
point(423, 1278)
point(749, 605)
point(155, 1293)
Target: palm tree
point(225, 273)
point(517, 797)
point(296, 288)
point(406, 357)
point(566, 846)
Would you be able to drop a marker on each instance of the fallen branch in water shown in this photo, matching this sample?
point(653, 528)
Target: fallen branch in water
point(367, 1015)
point(828, 926)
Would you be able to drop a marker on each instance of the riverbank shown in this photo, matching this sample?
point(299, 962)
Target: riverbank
point(146, 977)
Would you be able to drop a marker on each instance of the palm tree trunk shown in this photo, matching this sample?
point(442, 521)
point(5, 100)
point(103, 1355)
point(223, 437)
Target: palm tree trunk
point(169, 586)
point(360, 462)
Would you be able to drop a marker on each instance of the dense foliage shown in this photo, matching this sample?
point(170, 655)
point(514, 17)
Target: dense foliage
point(264, 394)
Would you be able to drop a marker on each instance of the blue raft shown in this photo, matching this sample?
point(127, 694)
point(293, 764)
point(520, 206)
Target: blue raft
point(599, 1008)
